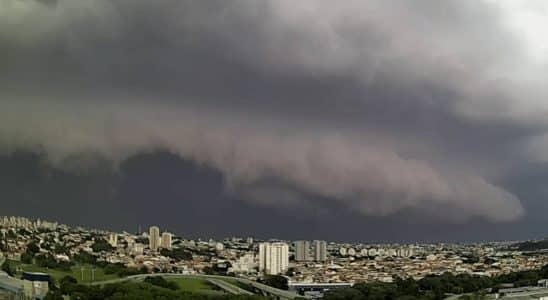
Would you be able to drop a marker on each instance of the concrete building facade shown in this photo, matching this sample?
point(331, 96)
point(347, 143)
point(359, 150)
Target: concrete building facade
point(273, 258)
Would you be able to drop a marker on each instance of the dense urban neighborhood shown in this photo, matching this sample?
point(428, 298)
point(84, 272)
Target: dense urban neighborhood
point(40, 256)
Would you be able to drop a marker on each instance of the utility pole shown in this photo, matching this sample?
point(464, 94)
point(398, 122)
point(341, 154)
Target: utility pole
point(82, 271)
point(93, 274)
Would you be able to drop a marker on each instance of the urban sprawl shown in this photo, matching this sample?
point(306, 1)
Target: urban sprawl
point(303, 263)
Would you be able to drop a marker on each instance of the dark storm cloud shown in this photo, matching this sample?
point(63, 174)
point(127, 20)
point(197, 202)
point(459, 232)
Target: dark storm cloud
point(192, 203)
point(375, 106)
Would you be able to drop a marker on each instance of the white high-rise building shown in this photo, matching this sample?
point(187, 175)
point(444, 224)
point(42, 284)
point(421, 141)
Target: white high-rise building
point(273, 258)
point(137, 249)
point(166, 240)
point(351, 251)
point(113, 239)
point(302, 250)
point(320, 251)
point(219, 246)
point(154, 238)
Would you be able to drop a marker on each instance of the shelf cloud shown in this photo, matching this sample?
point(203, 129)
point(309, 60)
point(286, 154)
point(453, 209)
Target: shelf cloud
point(377, 106)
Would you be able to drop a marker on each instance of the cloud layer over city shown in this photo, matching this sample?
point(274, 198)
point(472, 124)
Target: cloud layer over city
point(377, 107)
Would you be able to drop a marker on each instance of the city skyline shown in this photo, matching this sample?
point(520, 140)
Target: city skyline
point(111, 233)
point(45, 252)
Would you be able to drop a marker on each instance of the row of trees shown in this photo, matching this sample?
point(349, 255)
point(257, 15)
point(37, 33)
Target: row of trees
point(532, 245)
point(161, 282)
point(431, 288)
point(48, 261)
point(277, 281)
point(435, 287)
point(101, 244)
point(177, 254)
point(8, 268)
point(121, 270)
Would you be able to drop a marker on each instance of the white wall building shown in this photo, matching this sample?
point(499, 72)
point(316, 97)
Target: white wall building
point(154, 238)
point(137, 249)
point(219, 246)
point(113, 239)
point(245, 264)
point(320, 251)
point(166, 240)
point(302, 250)
point(273, 258)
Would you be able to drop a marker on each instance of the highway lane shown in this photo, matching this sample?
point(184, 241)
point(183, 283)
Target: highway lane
point(230, 288)
point(263, 287)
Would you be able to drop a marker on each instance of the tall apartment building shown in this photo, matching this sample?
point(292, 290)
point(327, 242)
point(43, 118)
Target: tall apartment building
point(273, 258)
point(113, 239)
point(302, 250)
point(154, 238)
point(166, 240)
point(320, 251)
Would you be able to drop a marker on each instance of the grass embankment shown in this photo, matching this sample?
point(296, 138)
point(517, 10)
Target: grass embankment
point(75, 271)
point(196, 285)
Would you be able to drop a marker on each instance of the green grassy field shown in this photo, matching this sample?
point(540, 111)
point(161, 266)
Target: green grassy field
point(75, 272)
point(196, 285)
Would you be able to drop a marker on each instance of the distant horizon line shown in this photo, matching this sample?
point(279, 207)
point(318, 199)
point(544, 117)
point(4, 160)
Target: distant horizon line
point(147, 226)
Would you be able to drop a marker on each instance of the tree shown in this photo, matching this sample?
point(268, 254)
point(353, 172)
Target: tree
point(54, 295)
point(430, 287)
point(48, 261)
point(85, 258)
point(344, 294)
point(26, 258)
point(67, 284)
point(33, 248)
point(101, 244)
point(532, 246)
point(178, 254)
point(23, 231)
point(68, 279)
point(11, 234)
point(161, 282)
point(276, 281)
point(6, 267)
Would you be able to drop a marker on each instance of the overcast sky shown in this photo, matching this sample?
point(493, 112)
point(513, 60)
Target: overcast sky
point(360, 120)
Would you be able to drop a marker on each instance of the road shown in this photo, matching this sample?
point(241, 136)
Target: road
point(265, 288)
point(230, 288)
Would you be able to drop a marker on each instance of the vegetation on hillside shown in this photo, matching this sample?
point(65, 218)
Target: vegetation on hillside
point(147, 290)
point(277, 281)
point(532, 245)
point(434, 287)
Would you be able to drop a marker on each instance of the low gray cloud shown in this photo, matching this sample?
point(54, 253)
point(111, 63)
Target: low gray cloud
point(377, 106)
point(355, 170)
